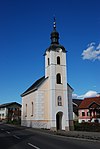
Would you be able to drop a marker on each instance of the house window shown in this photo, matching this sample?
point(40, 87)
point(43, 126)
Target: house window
point(58, 60)
point(2, 109)
point(32, 109)
point(58, 78)
point(26, 111)
point(88, 113)
point(59, 101)
point(98, 112)
point(48, 61)
point(96, 121)
point(3, 115)
point(83, 113)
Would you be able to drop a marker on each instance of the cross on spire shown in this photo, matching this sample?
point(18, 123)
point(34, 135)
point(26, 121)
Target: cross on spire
point(54, 24)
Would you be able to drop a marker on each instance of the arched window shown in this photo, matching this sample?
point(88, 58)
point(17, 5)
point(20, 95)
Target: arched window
point(26, 111)
point(48, 61)
point(58, 60)
point(59, 101)
point(32, 109)
point(58, 78)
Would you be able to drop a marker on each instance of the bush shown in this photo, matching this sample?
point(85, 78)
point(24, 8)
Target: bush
point(14, 122)
point(92, 127)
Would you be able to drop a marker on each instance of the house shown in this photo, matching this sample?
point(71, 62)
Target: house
point(89, 110)
point(48, 102)
point(10, 111)
point(76, 103)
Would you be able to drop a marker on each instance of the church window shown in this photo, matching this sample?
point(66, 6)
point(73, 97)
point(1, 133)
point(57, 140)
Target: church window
point(48, 61)
point(58, 78)
point(32, 109)
point(26, 111)
point(59, 101)
point(58, 60)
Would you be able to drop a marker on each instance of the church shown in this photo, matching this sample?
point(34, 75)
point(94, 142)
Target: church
point(48, 102)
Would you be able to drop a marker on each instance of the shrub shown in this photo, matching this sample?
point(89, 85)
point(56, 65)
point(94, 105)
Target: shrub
point(92, 127)
point(15, 122)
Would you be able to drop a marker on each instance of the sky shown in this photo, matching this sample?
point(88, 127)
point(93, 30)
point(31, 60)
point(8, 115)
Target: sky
point(25, 27)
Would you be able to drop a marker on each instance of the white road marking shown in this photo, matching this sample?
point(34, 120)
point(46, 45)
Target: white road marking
point(8, 132)
point(16, 137)
point(33, 146)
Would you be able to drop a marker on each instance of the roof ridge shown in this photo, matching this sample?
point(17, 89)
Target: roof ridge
point(34, 86)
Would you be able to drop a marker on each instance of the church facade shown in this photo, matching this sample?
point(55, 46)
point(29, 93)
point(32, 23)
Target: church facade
point(48, 102)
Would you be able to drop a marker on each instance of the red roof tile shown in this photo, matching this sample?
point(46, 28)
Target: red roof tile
point(88, 101)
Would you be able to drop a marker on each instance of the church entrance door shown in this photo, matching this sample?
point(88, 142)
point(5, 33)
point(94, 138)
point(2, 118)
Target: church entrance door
point(59, 120)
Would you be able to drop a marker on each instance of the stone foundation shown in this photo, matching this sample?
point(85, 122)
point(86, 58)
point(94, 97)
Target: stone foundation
point(71, 125)
point(35, 124)
point(45, 125)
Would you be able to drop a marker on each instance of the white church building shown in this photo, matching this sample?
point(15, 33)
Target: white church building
point(48, 102)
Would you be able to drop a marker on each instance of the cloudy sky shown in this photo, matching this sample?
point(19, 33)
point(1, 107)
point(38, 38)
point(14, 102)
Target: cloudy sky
point(25, 27)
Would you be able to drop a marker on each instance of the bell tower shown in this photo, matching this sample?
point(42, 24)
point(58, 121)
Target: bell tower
point(55, 70)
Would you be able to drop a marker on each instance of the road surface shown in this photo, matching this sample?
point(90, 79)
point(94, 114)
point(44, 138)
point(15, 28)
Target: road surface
point(12, 137)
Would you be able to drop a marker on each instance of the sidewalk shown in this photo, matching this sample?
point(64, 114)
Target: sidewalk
point(75, 134)
point(81, 134)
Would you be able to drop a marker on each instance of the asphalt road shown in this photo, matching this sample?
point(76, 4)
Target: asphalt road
point(12, 137)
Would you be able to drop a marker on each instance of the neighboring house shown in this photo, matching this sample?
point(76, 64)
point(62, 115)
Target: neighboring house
point(76, 103)
point(89, 110)
point(10, 111)
point(48, 102)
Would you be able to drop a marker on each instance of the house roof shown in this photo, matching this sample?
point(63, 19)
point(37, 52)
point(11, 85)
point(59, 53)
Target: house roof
point(34, 86)
point(9, 104)
point(94, 105)
point(88, 101)
point(77, 101)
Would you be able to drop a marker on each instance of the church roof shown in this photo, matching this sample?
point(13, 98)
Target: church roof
point(70, 87)
point(34, 86)
point(9, 104)
point(55, 47)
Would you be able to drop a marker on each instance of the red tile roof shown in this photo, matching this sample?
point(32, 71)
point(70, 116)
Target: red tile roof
point(88, 101)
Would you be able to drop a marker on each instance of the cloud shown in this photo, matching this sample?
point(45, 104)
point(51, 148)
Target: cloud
point(74, 96)
point(90, 94)
point(86, 95)
point(92, 52)
point(98, 47)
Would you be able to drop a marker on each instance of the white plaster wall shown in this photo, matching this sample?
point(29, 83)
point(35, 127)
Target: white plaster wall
point(58, 89)
point(70, 104)
point(37, 98)
point(3, 111)
point(54, 90)
point(40, 118)
point(81, 120)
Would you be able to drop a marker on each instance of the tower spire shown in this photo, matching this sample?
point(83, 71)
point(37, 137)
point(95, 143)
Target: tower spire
point(54, 34)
